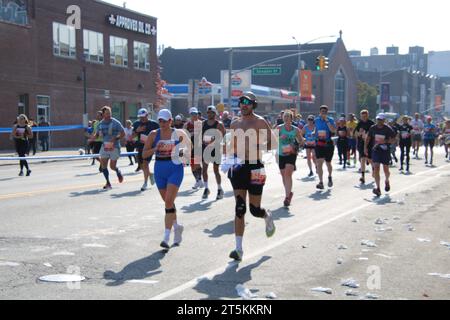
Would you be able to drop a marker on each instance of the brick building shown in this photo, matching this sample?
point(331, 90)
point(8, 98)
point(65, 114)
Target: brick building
point(43, 52)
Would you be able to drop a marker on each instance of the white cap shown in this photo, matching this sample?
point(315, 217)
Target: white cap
point(212, 108)
point(142, 112)
point(381, 116)
point(178, 117)
point(164, 114)
point(193, 110)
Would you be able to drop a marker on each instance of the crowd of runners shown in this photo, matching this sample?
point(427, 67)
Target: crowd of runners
point(236, 147)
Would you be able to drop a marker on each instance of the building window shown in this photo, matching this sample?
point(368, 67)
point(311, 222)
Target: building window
point(339, 93)
point(14, 11)
point(141, 56)
point(93, 46)
point(118, 50)
point(64, 41)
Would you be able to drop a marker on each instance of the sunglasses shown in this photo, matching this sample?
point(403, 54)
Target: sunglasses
point(163, 121)
point(246, 101)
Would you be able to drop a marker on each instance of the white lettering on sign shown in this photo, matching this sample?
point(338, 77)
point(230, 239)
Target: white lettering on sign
point(131, 24)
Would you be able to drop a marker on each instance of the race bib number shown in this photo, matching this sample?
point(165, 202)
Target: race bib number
point(287, 149)
point(165, 148)
point(379, 138)
point(109, 146)
point(143, 138)
point(405, 135)
point(322, 134)
point(258, 177)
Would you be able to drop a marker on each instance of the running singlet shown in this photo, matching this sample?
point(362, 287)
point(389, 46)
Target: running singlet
point(323, 131)
point(310, 136)
point(208, 139)
point(164, 148)
point(405, 132)
point(287, 141)
point(417, 126)
point(342, 133)
point(22, 131)
point(352, 126)
point(429, 131)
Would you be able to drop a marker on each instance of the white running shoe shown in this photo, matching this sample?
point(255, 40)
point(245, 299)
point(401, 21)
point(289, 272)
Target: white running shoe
point(196, 185)
point(270, 226)
point(178, 235)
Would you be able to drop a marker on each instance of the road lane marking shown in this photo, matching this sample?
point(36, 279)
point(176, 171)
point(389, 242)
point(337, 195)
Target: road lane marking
point(281, 242)
point(53, 190)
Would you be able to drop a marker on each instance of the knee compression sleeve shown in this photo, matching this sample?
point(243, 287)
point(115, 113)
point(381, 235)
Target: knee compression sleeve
point(171, 211)
point(257, 212)
point(241, 207)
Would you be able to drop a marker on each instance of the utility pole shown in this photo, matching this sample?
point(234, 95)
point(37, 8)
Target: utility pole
point(230, 71)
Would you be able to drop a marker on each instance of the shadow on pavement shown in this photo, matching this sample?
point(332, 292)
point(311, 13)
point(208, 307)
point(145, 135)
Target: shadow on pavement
point(198, 206)
point(86, 193)
point(87, 174)
point(368, 186)
point(320, 195)
point(221, 230)
point(7, 179)
point(224, 285)
point(137, 270)
point(126, 194)
point(281, 213)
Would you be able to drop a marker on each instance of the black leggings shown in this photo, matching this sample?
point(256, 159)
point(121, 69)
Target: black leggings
point(130, 148)
point(342, 150)
point(22, 150)
point(405, 148)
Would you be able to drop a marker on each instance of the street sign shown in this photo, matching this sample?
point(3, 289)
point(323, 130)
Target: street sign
point(267, 71)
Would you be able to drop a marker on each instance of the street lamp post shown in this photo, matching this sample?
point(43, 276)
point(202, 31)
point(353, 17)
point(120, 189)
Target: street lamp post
point(299, 68)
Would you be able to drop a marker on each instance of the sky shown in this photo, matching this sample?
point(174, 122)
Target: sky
point(365, 24)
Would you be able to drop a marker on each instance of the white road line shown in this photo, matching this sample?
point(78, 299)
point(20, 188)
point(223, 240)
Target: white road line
point(260, 252)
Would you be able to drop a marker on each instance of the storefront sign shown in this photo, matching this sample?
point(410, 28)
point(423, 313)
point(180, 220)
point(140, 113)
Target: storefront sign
point(131, 24)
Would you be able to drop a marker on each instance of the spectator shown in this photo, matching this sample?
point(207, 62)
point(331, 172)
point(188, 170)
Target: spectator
point(178, 123)
point(43, 135)
point(32, 143)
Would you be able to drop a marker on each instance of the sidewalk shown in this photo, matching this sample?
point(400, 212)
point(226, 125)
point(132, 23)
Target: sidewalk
point(54, 152)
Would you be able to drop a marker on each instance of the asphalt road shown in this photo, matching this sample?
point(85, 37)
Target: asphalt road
point(59, 221)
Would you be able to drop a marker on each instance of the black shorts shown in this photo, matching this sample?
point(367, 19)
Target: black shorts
point(248, 177)
point(428, 142)
point(361, 151)
point(96, 146)
point(325, 152)
point(139, 157)
point(284, 160)
point(381, 156)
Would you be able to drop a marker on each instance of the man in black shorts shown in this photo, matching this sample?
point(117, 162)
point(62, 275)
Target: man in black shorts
point(141, 130)
point(380, 136)
point(213, 132)
point(248, 135)
point(361, 131)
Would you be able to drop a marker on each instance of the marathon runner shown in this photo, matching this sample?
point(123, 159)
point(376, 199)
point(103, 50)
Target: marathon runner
point(393, 146)
point(342, 142)
point(309, 132)
point(96, 140)
point(405, 138)
point(417, 125)
point(446, 138)
point(364, 124)
point(325, 128)
point(112, 131)
point(248, 175)
point(352, 123)
point(168, 145)
point(380, 135)
point(21, 133)
point(226, 120)
point(196, 167)
point(141, 130)
point(290, 137)
point(429, 138)
point(213, 132)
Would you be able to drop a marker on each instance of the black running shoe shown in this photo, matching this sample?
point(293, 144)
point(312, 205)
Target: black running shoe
point(377, 192)
point(206, 193)
point(330, 182)
point(320, 186)
point(387, 187)
point(219, 194)
point(164, 245)
point(28, 173)
point(236, 255)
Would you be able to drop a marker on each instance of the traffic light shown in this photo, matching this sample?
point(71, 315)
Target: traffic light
point(325, 63)
point(318, 63)
point(321, 63)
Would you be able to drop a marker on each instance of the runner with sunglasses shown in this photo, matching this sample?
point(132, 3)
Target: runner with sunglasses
point(249, 135)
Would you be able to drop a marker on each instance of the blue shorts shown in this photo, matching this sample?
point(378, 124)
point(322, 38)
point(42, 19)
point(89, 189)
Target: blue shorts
point(167, 172)
point(351, 143)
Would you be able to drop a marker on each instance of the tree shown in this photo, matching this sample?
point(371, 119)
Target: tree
point(160, 90)
point(367, 97)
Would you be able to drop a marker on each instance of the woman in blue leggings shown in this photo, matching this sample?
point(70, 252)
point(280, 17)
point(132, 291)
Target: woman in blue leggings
point(166, 144)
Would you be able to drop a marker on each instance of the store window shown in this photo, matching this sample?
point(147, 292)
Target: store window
point(64, 41)
point(141, 56)
point(14, 11)
point(118, 48)
point(93, 46)
point(339, 93)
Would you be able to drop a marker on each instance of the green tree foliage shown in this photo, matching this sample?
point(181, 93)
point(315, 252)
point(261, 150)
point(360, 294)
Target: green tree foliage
point(367, 97)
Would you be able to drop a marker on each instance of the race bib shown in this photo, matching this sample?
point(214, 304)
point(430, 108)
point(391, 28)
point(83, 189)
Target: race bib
point(143, 138)
point(310, 143)
point(287, 149)
point(165, 148)
point(405, 135)
point(379, 138)
point(258, 177)
point(109, 146)
point(322, 134)
point(20, 131)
